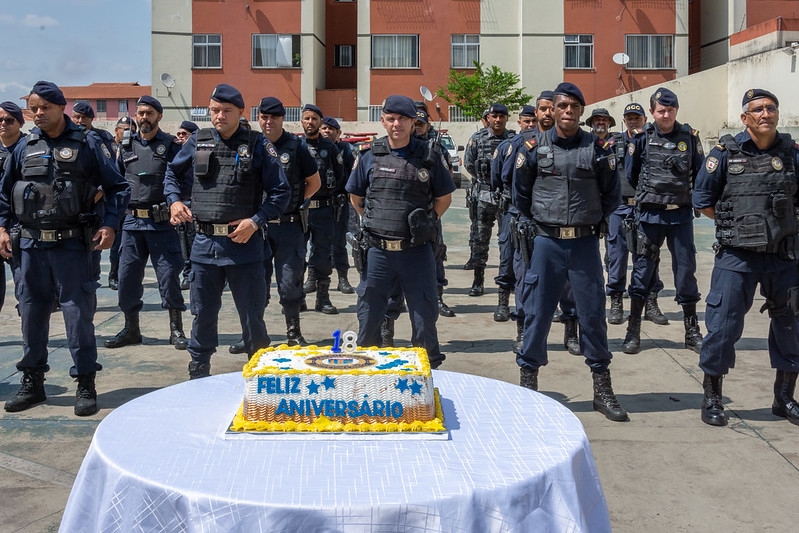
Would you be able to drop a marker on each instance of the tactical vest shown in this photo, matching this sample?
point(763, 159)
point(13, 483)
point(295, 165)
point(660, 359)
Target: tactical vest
point(566, 191)
point(144, 170)
point(666, 177)
point(398, 186)
point(757, 208)
point(486, 146)
point(288, 154)
point(322, 152)
point(4, 154)
point(55, 187)
point(228, 189)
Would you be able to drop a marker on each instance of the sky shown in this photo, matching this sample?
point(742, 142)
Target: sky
point(73, 42)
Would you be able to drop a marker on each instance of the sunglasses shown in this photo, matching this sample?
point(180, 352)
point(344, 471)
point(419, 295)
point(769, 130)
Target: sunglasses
point(8, 120)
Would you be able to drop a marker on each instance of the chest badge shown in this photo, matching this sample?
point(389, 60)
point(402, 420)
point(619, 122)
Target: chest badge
point(736, 168)
point(424, 175)
point(669, 145)
point(323, 153)
point(776, 164)
point(160, 149)
point(243, 150)
point(284, 158)
point(65, 153)
point(681, 146)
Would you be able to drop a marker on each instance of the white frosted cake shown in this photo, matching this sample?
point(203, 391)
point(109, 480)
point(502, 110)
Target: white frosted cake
point(315, 389)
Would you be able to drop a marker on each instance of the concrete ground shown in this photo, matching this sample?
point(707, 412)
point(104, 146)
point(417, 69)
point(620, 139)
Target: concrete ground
point(664, 470)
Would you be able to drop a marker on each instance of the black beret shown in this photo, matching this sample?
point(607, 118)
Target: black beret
point(50, 92)
point(570, 89)
point(666, 97)
point(13, 109)
point(331, 122)
point(272, 106)
point(527, 111)
point(498, 109)
point(599, 112)
point(546, 95)
point(754, 94)
point(84, 109)
point(189, 126)
point(635, 108)
point(227, 94)
point(401, 105)
point(311, 107)
point(146, 99)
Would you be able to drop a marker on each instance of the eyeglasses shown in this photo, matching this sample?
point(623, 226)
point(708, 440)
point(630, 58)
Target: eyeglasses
point(756, 112)
point(8, 120)
point(182, 134)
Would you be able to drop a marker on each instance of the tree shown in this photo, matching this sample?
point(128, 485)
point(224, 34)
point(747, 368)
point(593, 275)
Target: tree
point(474, 93)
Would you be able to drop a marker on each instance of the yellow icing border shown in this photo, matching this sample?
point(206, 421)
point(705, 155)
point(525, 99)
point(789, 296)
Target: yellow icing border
point(249, 369)
point(325, 425)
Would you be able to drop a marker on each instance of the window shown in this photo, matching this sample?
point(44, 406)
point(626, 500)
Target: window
point(650, 51)
point(457, 115)
point(123, 107)
point(395, 51)
point(293, 114)
point(207, 51)
point(375, 111)
point(102, 106)
point(465, 50)
point(345, 55)
point(578, 51)
point(275, 51)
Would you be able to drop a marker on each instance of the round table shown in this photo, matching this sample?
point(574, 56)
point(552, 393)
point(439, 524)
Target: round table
point(516, 460)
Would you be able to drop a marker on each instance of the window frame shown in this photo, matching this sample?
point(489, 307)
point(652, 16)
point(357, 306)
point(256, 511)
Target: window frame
point(395, 57)
point(337, 49)
point(465, 46)
point(295, 61)
point(651, 49)
point(578, 45)
point(206, 46)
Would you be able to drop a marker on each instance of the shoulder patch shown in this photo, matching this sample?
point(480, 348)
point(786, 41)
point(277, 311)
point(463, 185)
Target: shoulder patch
point(270, 148)
point(510, 150)
point(494, 155)
point(631, 148)
point(711, 164)
point(340, 159)
point(105, 151)
point(520, 159)
point(355, 163)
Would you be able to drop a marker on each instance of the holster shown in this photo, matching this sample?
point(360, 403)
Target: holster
point(359, 248)
point(304, 215)
point(630, 233)
point(525, 234)
point(645, 247)
point(16, 234)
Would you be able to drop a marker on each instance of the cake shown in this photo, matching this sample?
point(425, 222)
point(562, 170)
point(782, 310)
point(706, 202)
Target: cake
point(319, 389)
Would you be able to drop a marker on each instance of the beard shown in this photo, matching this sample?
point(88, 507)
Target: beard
point(145, 127)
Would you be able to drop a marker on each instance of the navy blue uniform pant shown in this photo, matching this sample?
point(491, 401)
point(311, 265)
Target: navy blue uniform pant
point(248, 288)
point(617, 254)
point(340, 229)
point(555, 261)
point(64, 272)
point(680, 240)
point(505, 278)
point(729, 299)
point(287, 243)
point(162, 247)
point(414, 271)
point(320, 234)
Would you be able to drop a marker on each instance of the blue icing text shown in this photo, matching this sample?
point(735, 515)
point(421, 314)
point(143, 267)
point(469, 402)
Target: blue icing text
point(339, 408)
point(392, 364)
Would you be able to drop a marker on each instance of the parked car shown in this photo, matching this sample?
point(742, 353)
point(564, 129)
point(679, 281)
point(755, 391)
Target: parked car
point(454, 156)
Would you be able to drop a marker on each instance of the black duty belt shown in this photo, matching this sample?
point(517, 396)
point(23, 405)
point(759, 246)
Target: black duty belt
point(628, 200)
point(390, 245)
point(140, 213)
point(316, 204)
point(661, 207)
point(215, 230)
point(566, 232)
point(286, 219)
point(52, 235)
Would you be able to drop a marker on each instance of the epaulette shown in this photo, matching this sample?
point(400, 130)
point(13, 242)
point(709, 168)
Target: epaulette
point(603, 144)
point(530, 144)
point(694, 132)
point(364, 146)
point(637, 131)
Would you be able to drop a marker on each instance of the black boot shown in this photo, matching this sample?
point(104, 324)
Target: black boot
point(113, 277)
point(479, 278)
point(632, 342)
point(323, 303)
point(571, 337)
point(130, 334)
point(784, 404)
point(528, 378)
point(518, 345)
point(652, 311)
point(31, 392)
point(443, 309)
point(176, 335)
point(237, 347)
point(310, 280)
point(605, 399)
point(344, 286)
point(199, 370)
point(86, 395)
point(387, 333)
point(293, 333)
point(693, 336)
point(616, 313)
point(502, 313)
point(712, 406)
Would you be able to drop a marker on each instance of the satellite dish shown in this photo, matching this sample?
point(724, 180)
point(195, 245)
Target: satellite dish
point(167, 80)
point(426, 94)
point(621, 58)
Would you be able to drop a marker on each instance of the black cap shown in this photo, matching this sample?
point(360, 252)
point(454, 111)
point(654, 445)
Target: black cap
point(50, 92)
point(599, 112)
point(754, 94)
point(123, 121)
point(146, 99)
point(272, 106)
point(666, 97)
point(422, 116)
point(498, 109)
point(485, 112)
point(570, 89)
point(527, 111)
point(13, 109)
point(227, 94)
point(401, 105)
point(311, 107)
point(635, 108)
point(331, 122)
point(189, 126)
point(421, 104)
point(84, 109)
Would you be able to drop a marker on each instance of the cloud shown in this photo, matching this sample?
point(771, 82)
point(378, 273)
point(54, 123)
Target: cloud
point(8, 64)
point(35, 21)
point(7, 19)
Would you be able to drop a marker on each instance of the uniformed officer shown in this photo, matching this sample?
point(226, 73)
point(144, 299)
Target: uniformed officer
point(400, 192)
point(568, 186)
point(185, 230)
point(237, 185)
point(124, 124)
point(662, 164)
point(146, 231)
point(477, 159)
point(341, 211)
point(748, 185)
point(83, 115)
point(48, 196)
point(321, 208)
point(11, 122)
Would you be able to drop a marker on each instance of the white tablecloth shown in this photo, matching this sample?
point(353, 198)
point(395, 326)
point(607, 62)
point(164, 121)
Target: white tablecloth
point(516, 461)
